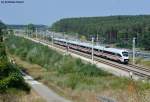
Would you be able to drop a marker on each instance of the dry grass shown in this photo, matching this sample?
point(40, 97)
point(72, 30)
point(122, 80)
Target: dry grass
point(32, 97)
point(21, 97)
point(140, 61)
point(128, 94)
point(146, 63)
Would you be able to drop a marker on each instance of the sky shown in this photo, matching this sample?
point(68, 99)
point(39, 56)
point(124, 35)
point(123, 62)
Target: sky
point(49, 11)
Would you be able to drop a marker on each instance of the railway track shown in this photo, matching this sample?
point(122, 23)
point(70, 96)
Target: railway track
point(142, 74)
point(136, 70)
point(139, 67)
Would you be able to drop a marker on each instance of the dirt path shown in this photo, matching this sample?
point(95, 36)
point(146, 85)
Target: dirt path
point(44, 91)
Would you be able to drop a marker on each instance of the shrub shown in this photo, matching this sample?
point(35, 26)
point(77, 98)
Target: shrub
point(72, 81)
point(10, 76)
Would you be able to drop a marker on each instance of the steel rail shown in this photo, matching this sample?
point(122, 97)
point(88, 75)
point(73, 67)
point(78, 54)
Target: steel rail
point(116, 65)
point(141, 72)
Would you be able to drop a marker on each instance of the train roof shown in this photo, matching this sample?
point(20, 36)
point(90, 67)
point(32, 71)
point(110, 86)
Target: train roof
point(114, 50)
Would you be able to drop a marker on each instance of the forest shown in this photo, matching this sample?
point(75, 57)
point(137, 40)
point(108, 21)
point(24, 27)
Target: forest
point(118, 30)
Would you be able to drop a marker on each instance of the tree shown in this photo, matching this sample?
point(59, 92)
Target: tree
point(2, 28)
point(145, 41)
point(114, 29)
point(83, 38)
point(31, 28)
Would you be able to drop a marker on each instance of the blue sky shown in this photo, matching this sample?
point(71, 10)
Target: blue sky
point(49, 11)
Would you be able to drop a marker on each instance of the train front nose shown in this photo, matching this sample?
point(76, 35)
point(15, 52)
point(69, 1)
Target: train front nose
point(126, 61)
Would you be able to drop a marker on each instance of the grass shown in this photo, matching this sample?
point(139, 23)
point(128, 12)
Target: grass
point(14, 95)
point(71, 77)
point(146, 63)
point(13, 87)
point(141, 61)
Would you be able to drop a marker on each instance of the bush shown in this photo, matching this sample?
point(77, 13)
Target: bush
point(72, 81)
point(10, 76)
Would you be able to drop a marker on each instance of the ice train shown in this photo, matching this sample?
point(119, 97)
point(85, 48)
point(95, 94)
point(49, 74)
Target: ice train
point(115, 54)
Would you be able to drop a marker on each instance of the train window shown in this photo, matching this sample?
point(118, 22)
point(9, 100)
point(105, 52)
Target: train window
point(95, 49)
point(119, 55)
point(82, 46)
point(107, 52)
point(104, 51)
point(110, 53)
point(113, 53)
point(125, 54)
point(99, 50)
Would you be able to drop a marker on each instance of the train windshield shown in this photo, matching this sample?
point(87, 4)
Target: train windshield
point(125, 54)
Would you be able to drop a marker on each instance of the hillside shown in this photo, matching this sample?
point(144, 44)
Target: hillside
point(111, 29)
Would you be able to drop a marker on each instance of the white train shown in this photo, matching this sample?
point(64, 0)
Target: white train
point(119, 55)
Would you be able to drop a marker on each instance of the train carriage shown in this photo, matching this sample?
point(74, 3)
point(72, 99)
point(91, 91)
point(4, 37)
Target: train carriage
point(119, 55)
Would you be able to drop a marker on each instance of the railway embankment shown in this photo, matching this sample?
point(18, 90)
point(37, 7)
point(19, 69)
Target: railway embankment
point(138, 72)
point(71, 77)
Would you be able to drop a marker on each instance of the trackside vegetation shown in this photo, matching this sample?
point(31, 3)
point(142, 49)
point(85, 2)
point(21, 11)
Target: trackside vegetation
point(10, 76)
point(12, 85)
point(50, 59)
point(73, 78)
